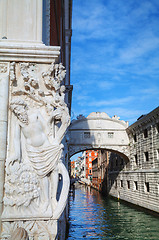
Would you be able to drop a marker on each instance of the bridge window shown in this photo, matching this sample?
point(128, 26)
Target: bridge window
point(86, 134)
point(110, 134)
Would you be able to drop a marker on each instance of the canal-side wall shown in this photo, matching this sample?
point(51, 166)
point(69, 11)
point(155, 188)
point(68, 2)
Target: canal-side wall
point(137, 181)
point(141, 197)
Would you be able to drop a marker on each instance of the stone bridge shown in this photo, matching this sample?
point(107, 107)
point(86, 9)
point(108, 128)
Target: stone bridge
point(98, 131)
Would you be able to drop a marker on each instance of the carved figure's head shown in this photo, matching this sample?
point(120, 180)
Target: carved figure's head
point(57, 114)
point(54, 76)
point(62, 89)
point(19, 108)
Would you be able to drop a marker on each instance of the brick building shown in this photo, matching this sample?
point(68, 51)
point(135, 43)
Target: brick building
point(90, 155)
point(72, 168)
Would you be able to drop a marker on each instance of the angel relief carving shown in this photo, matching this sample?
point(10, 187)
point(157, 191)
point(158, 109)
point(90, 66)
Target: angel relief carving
point(38, 122)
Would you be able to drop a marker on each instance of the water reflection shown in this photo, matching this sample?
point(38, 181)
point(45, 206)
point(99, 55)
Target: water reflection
point(93, 217)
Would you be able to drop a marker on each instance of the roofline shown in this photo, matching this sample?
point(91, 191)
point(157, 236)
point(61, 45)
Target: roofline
point(145, 118)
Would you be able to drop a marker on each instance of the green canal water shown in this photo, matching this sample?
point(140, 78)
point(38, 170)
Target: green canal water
point(92, 216)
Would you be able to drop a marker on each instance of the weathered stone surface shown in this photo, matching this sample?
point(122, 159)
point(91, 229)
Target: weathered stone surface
point(141, 172)
point(34, 150)
point(98, 131)
point(12, 21)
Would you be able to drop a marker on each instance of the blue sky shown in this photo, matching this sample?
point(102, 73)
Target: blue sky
point(115, 57)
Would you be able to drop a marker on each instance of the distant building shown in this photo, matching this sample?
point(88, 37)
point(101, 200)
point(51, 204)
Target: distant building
point(78, 167)
point(73, 168)
point(83, 166)
point(90, 155)
point(100, 170)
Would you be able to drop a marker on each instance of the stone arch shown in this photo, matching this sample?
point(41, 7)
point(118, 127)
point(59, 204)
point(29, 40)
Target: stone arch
point(98, 131)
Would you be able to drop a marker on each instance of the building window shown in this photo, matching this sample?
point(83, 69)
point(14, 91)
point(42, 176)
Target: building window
point(111, 182)
point(86, 134)
point(121, 183)
point(136, 160)
point(146, 156)
point(135, 185)
point(90, 165)
point(121, 162)
point(157, 154)
point(110, 134)
point(157, 127)
point(134, 137)
point(145, 133)
point(147, 187)
point(90, 159)
point(90, 171)
point(115, 183)
point(128, 184)
point(116, 162)
point(111, 166)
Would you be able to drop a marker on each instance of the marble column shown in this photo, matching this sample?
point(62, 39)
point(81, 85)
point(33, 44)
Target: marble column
point(4, 79)
point(21, 21)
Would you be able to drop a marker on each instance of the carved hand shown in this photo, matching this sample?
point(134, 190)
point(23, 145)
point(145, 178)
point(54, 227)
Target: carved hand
point(12, 159)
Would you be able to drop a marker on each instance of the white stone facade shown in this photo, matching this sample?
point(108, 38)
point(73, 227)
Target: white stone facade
point(98, 131)
point(33, 121)
point(21, 21)
point(137, 181)
point(35, 97)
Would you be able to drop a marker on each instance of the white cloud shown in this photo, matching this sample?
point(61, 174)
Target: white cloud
point(106, 85)
point(139, 48)
point(110, 102)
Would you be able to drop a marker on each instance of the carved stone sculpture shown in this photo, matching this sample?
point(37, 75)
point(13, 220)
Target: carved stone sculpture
point(38, 120)
point(19, 234)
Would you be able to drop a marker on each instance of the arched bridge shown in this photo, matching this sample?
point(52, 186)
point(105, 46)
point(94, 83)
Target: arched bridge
point(98, 131)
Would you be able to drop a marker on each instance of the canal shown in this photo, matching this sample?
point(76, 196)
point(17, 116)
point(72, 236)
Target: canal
point(92, 216)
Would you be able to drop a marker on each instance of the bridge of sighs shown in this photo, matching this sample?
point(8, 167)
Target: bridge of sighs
point(98, 131)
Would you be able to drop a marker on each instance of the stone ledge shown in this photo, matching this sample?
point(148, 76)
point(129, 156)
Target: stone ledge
point(136, 171)
point(28, 53)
